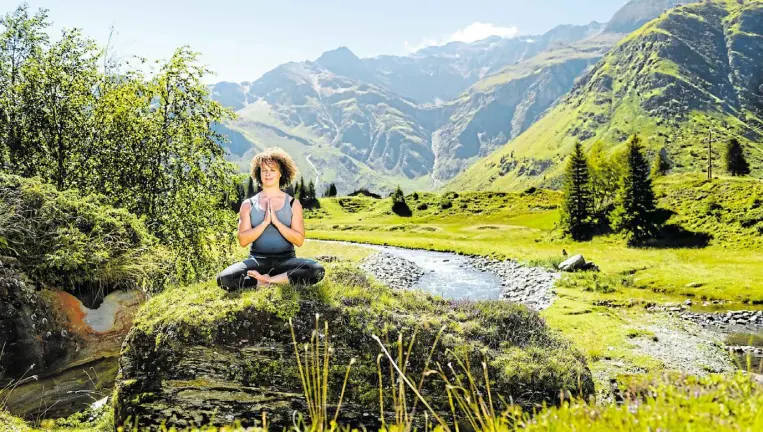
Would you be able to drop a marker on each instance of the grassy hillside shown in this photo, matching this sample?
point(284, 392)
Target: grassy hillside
point(714, 226)
point(713, 251)
point(689, 73)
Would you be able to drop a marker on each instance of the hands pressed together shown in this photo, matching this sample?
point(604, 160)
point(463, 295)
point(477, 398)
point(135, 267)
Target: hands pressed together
point(270, 218)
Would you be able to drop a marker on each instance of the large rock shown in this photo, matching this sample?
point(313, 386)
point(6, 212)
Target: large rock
point(199, 355)
point(575, 262)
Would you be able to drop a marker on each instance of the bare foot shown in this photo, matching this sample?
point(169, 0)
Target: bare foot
point(262, 280)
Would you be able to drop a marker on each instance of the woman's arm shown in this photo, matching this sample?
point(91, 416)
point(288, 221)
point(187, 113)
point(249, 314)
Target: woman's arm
point(296, 234)
point(247, 234)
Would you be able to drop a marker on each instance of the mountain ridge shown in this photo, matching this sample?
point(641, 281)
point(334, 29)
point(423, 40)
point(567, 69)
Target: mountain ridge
point(689, 73)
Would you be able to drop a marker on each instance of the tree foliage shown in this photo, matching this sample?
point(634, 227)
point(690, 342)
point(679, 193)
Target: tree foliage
point(145, 142)
point(605, 171)
point(636, 212)
point(577, 206)
point(736, 163)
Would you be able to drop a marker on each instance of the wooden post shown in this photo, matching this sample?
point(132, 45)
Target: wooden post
point(710, 155)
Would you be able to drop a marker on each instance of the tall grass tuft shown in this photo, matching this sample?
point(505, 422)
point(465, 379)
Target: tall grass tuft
point(313, 366)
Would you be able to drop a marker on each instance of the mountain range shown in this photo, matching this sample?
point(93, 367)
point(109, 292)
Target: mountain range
point(448, 111)
point(689, 77)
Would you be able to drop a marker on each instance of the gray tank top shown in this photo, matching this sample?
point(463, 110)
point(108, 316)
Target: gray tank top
point(271, 243)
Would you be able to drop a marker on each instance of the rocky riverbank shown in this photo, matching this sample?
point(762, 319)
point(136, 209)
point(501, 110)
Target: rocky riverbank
point(392, 270)
point(531, 286)
point(751, 320)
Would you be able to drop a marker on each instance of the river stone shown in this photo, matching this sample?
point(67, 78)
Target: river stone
point(573, 263)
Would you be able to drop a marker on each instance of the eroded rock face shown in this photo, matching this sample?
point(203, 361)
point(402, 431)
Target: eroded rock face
point(194, 368)
point(71, 349)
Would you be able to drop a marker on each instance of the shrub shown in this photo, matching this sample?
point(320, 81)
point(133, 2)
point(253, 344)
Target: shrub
point(72, 242)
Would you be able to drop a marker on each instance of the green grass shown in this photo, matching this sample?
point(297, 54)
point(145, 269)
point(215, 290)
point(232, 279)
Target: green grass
point(521, 226)
point(596, 311)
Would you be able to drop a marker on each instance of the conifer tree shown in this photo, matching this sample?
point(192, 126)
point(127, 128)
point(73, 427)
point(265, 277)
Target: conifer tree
point(635, 214)
point(736, 163)
point(310, 194)
point(660, 165)
point(399, 206)
point(578, 201)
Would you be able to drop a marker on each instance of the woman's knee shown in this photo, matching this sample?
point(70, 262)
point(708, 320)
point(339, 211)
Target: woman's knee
point(317, 272)
point(309, 273)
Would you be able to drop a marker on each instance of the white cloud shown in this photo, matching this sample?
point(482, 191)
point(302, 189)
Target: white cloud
point(472, 33)
point(478, 31)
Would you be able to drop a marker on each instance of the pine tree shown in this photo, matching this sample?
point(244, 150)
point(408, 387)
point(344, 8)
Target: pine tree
point(332, 190)
point(250, 192)
point(399, 206)
point(636, 209)
point(660, 165)
point(299, 189)
point(310, 194)
point(736, 163)
point(578, 201)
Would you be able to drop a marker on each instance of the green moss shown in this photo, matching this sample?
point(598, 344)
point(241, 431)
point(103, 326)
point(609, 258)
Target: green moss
point(233, 341)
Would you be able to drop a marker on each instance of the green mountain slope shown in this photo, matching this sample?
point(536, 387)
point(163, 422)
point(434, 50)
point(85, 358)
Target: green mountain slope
point(636, 13)
point(351, 121)
point(502, 106)
point(692, 71)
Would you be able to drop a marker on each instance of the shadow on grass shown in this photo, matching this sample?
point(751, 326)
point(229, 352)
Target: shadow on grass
point(675, 237)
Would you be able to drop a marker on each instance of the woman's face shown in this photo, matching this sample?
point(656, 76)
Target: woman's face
point(270, 175)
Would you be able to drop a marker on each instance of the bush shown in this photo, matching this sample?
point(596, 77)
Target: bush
point(72, 242)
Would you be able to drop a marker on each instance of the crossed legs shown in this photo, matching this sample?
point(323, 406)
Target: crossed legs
point(258, 271)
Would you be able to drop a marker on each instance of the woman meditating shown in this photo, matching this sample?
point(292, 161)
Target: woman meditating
point(272, 222)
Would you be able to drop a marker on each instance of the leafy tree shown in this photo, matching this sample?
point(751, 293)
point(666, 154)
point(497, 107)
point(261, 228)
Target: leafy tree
point(578, 201)
point(636, 214)
point(736, 163)
point(59, 100)
point(145, 143)
point(22, 40)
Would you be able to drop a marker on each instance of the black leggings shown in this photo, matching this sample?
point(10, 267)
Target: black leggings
point(299, 270)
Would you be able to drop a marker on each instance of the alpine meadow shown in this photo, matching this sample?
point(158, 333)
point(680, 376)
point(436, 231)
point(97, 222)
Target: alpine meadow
point(518, 225)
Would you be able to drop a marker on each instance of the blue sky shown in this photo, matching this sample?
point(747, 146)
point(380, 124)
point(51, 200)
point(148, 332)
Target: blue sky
point(241, 40)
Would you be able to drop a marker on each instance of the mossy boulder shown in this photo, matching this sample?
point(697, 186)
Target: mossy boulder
point(199, 355)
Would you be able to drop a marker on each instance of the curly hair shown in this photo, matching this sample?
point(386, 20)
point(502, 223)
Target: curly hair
point(276, 155)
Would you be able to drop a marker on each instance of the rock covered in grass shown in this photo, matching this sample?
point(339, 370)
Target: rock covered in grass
point(199, 355)
point(392, 270)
